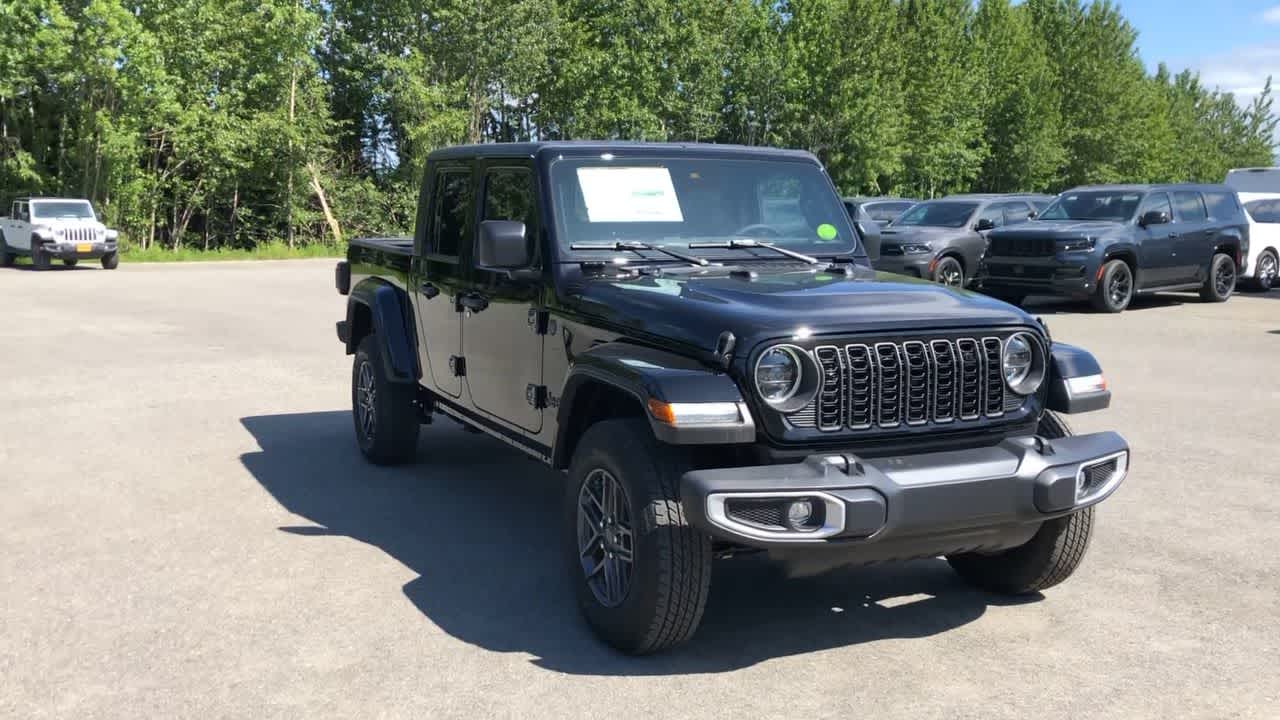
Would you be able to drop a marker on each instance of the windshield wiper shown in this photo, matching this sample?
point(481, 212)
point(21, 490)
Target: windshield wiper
point(743, 244)
point(636, 247)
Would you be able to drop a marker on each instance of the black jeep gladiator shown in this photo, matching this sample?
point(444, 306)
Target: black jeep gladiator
point(693, 333)
point(1109, 243)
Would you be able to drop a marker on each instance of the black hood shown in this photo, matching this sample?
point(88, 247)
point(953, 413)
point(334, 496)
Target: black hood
point(784, 300)
point(1059, 229)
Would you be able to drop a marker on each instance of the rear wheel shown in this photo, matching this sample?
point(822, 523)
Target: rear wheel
point(1115, 289)
point(1050, 557)
point(386, 421)
point(1221, 281)
point(641, 573)
point(1264, 275)
point(111, 261)
point(949, 272)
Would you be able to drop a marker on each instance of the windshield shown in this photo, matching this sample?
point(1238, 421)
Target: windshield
point(677, 201)
point(55, 209)
point(941, 213)
point(885, 211)
point(1107, 205)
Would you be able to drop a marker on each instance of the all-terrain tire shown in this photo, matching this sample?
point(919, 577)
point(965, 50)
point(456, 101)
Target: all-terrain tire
point(6, 257)
point(1115, 288)
point(670, 574)
point(1050, 557)
point(40, 260)
point(385, 418)
point(1221, 281)
point(111, 261)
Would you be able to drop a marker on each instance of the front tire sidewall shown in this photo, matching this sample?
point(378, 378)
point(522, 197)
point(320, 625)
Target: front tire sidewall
point(1102, 300)
point(111, 261)
point(945, 266)
point(39, 259)
point(394, 439)
point(671, 564)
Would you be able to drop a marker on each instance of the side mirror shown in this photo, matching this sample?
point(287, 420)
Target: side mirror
point(1154, 217)
point(984, 225)
point(502, 245)
point(1032, 215)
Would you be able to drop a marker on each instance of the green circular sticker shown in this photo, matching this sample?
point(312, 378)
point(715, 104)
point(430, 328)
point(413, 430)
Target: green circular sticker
point(827, 231)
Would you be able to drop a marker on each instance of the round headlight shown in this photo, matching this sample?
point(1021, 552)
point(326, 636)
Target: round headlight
point(1023, 364)
point(778, 373)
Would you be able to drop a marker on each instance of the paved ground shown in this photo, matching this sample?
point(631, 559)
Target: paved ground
point(187, 531)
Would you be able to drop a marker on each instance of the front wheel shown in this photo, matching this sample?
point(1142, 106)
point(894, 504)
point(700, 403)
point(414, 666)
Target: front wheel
point(1048, 558)
point(949, 272)
point(71, 262)
point(1264, 275)
point(1221, 281)
point(40, 260)
point(6, 257)
point(386, 421)
point(641, 573)
point(111, 261)
point(1115, 289)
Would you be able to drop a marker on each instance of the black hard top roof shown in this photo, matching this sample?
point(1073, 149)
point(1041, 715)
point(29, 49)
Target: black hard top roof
point(589, 147)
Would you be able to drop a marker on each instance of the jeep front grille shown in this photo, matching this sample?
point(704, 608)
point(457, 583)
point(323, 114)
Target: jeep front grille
point(80, 234)
point(907, 383)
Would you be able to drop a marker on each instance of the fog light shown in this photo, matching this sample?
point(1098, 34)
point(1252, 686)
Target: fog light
point(799, 513)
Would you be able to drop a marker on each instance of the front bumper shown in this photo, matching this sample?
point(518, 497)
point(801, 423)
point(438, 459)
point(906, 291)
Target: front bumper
point(1057, 275)
point(77, 251)
point(916, 265)
point(918, 505)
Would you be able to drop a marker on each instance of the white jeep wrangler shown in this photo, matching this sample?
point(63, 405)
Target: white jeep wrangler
point(48, 228)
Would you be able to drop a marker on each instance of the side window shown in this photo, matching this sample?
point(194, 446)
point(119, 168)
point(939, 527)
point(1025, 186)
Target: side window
point(1264, 211)
point(20, 212)
point(452, 204)
point(1016, 212)
point(1222, 206)
point(1190, 206)
point(1157, 201)
point(994, 213)
point(508, 195)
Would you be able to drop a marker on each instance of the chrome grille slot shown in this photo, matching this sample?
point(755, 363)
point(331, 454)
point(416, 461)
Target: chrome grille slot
point(994, 386)
point(944, 380)
point(830, 415)
point(861, 399)
point(969, 395)
point(916, 396)
point(889, 375)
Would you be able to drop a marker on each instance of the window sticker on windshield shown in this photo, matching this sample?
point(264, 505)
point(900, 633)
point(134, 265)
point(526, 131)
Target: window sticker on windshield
point(827, 231)
point(629, 194)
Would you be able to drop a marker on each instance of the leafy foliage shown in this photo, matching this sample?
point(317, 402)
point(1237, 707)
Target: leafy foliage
point(195, 124)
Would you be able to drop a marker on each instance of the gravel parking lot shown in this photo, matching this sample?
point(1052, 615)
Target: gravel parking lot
point(188, 530)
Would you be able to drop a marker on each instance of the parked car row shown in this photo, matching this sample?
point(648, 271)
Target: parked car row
point(1106, 243)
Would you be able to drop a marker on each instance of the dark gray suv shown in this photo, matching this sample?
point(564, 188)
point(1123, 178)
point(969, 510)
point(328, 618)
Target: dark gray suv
point(944, 240)
point(1110, 242)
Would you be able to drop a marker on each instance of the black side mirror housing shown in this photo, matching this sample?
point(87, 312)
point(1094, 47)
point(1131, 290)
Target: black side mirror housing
point(984, 225)
point(1154, 217)
point(503, 245)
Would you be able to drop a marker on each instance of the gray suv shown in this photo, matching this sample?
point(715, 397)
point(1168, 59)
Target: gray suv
point(944, 240)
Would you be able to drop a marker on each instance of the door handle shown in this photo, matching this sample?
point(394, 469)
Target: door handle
point(1173, 235)
point(429, 290)
point(474, 302)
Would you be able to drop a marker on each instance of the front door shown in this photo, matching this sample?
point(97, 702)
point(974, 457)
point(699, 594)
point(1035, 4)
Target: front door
point(1157, 244)
point(500, 330)
point(439, 278)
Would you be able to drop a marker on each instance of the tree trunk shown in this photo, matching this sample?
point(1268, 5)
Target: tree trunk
point(324, 203)
point(288, 193)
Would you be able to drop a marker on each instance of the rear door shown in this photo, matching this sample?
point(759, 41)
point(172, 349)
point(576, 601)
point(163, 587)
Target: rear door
point(1157, 243)
point(500, 331)
point(447, 229)
point(1193, 247)
point(17, 233)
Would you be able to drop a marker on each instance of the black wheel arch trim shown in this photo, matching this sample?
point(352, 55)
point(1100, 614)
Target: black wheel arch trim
point(391, 320)
point(645, 373)
point(1070, 361)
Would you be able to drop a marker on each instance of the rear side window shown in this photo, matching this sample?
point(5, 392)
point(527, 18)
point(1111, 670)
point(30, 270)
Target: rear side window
point(1157, 201)
point(1264, 211)
point(1190, 206)
point(1222, 205)
point(452, 201)
point(1016, 212)
point(994, 213)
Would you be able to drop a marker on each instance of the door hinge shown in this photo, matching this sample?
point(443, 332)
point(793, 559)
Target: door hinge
point(541, 322)
point(536, 395)
point(458, 365)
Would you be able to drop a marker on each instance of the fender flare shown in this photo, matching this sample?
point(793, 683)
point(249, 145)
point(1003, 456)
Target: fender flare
point(1065, 363)
point(390, 319)
point(645, 374)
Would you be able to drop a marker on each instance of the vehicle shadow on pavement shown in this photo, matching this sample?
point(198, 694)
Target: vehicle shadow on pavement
point(1044, 305)
point(479, 524)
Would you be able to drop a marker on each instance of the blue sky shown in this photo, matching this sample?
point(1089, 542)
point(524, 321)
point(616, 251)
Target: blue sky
point(1234, 44)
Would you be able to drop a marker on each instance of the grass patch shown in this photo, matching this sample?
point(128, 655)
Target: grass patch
point(266, 251)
